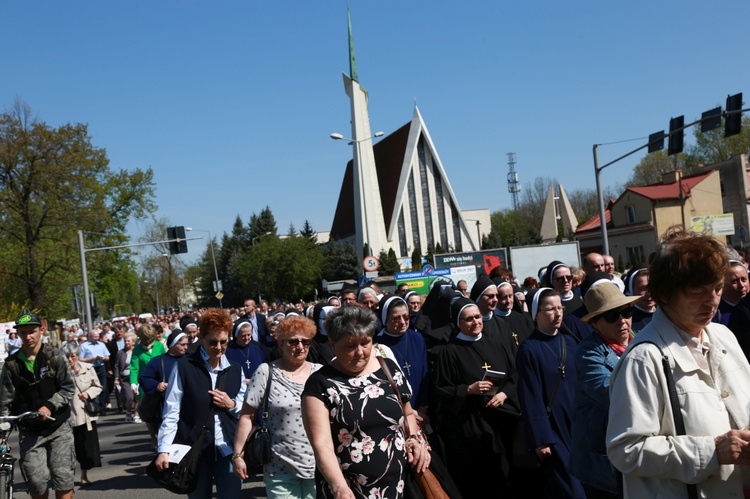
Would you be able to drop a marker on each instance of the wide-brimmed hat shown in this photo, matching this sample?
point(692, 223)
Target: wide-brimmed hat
point(605, 297)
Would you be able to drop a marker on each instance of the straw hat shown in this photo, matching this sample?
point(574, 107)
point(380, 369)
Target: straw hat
point(603, 298)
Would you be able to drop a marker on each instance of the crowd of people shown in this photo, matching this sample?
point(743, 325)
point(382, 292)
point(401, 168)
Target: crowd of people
point(577, 382)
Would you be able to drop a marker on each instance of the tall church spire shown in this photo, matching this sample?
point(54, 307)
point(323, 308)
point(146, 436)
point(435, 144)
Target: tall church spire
point(352, 59)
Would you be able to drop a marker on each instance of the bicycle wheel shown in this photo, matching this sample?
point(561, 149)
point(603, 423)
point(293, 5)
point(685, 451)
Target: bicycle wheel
point(6, 486)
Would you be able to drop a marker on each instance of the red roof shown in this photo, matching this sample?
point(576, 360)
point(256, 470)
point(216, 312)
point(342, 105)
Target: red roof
point(658, 192)
point(594, 223)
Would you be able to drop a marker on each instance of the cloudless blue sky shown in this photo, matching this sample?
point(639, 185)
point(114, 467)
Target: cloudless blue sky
point(232, 102)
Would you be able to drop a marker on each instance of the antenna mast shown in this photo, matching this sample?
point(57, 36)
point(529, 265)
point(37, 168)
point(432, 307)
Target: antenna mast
point(514, 186)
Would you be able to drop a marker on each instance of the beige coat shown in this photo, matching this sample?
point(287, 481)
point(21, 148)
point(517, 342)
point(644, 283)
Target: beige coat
point(641, 436)
point(86, 381)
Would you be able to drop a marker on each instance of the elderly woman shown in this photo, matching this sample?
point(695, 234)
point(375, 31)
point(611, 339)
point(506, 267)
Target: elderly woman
point(711, 378)
point(291, 471)
point(475, 381)
point(610, 313)
point(354, 418)
point(148, 348)
point(85, 435)
point(122, 376)
point(368, 298)
point(546, 372)
point(206, 390)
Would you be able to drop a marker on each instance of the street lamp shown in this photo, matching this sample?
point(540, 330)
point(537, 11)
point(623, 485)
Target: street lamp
point(169, 278)
point(479, 233)
point(213, 257)
point(358, 178)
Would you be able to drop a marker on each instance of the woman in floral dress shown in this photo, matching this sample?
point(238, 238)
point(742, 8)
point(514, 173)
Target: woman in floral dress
point(353, 418)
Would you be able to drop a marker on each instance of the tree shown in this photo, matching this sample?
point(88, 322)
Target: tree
point(54, 182)
point(416, 259)
point(288, 269)
point(650, 169)
point(308, 232)
point(261, 225)
point(389, 264)
point(341, 261)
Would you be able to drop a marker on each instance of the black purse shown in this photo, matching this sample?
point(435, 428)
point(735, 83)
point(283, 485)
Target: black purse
point(257, 450)
point(182, 477)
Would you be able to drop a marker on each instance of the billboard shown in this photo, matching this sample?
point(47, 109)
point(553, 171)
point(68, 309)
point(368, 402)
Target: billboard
point(483, 261)
point(420, 281)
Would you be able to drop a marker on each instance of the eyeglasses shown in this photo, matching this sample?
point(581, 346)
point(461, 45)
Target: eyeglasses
point(563, 278)
point(613, 316)
point(400, 318)
point(214, 343)
point(296, 341)
point(472, 318)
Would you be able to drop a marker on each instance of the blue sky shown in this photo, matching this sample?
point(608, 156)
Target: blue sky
point(232, 102)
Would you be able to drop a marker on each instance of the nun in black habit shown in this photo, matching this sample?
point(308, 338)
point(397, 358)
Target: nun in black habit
point(520, 323)
point(320, 349)
point(477, 409)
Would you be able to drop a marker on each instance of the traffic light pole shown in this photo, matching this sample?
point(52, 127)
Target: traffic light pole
point(598, 170)
point(83, 250)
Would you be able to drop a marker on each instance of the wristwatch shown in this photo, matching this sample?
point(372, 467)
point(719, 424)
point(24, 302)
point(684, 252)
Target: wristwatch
point(236, 456)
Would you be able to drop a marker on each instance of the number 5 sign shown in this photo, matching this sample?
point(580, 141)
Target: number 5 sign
point(370, 263)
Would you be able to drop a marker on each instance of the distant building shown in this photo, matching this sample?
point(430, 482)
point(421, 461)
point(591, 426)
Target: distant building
point(735, 194)
point(636, 220)
point(395, 194)
point(419, 207)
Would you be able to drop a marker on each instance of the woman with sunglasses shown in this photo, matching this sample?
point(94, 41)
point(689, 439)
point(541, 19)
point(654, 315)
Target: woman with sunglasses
point(291, 471)
point(710, 380)
point(610, 314)
point(200, 383)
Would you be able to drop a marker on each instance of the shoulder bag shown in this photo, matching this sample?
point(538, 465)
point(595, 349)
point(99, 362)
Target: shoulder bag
point(435, 482)
point(182, 478)
point(150, 407)
point(257, 450)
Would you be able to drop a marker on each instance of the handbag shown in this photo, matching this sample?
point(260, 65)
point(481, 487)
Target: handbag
point(257, 450)
point(433, 482)
point(150, 407)
point(182, 477)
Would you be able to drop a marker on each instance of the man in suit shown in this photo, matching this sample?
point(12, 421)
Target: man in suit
point(114, 345)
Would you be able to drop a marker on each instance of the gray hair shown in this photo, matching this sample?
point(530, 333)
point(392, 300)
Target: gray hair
point(70, 349)
point(357, 321)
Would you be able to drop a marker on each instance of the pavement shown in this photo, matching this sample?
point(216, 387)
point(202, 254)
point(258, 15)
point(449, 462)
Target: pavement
point(126, 450)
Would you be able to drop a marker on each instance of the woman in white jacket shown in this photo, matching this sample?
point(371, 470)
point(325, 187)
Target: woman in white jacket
point(712, 381)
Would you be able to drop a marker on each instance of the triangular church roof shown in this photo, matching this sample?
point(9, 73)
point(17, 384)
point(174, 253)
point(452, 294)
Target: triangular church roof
point(389, 158)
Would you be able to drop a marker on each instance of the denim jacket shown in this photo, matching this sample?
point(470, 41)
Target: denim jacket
point(594, 361)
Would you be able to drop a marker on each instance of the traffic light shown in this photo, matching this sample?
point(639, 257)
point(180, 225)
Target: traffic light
point(711, 120)
point(733, 121)
point(656, 141)
point(180, 245)
point(676, 135)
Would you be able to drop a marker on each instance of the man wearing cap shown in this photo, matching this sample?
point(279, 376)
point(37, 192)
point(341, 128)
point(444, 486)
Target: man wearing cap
point(37, 378)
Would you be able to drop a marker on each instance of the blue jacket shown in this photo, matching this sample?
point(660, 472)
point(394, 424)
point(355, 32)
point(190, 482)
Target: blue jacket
point(594, 361)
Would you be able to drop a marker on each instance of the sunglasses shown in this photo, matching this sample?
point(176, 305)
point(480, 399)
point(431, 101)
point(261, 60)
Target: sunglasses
point(214, 343)
point(613, 316)
point(563, 278)
point(296, 341)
